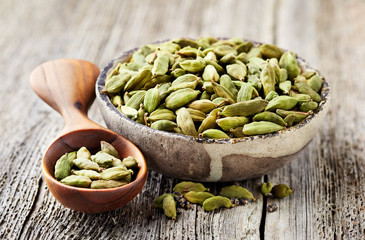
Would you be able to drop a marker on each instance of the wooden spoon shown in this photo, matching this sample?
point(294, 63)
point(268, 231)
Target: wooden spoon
point(68, 86)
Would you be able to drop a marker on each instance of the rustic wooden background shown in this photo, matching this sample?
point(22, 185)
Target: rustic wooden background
point(328, 177)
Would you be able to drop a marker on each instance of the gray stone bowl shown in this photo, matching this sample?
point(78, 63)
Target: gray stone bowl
point(210, 160)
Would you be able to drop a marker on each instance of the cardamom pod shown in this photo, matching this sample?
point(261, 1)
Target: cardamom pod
point(315, 82)
point(164, 125)
point(136, 100)
point(169, 206)
point(181, 97)
point(245, 92)
point(152, 99)
point(289, 120)
point(84, 163)
point(210, 74)
point(193, 66)
point(116, 83)
point(129, 112)
point(83, 153)
point(308, 106)
point(271, 51)
point(186, 186)
point(281, 191)
point(287, 61)
point(185, 122)
point(232, 122)
point(115, 173)
point(203, 105)
point(281, 102)
point(214, 133)
point(215, 202)
point(267, 78)
point(271, 95)
point(246, 108)
point(162, 114)
point(103, 159)
point(235, 191)
point(138, 81)
point(197, 197)
point(100, 184)
point(93, 175)
point(227, 82)
point(76, 181)
point(244, 47)
point(269, 117)
point(237, 71)
point(299, 116)
point(285, 86)
point(108, 148)
point(222, 91)
point(263, 127)
point(209, 121)
point(130, 162)
point(62, 167)
point(266, 188)
point(196, 115)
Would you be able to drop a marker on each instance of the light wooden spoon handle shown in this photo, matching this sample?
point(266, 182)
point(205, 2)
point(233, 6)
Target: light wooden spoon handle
point(68, 86)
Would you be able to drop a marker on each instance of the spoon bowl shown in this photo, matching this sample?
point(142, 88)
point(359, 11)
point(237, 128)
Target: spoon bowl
point(67, 85)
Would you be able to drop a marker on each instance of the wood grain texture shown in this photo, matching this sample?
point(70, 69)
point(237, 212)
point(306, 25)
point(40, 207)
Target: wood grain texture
point(328, 177)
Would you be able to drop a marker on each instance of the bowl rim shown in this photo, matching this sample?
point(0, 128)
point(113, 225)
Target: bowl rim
point(303, 64)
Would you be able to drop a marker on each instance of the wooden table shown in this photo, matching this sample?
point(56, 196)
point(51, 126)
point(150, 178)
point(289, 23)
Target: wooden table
point(328, 176)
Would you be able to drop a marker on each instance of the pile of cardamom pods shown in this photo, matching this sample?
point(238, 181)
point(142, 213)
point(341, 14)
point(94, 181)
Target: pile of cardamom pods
point(103, 170)
point(212, 88)
point(229, 196)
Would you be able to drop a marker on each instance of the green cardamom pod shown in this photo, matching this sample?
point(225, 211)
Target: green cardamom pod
point(183, 42)
point(102, 184)
point(215, 202)
point(228, 58)
point(235, 191)
point(203, 105)
point(164, 125)
point(266, 188)
point(204, 95)
point(315, 82)
point(156, 80)
point(169, 206)
point(183, 85)
point(130, 162)
point(84, 163)
point(162, 114)
point(117, 100)
point(185, 122)
point(138, 81)
point(228, 123)
point(62, 167)
point(271, 51)
point(301, 97)
point(222, 91)
point(93, 175)
point(244, 47)
point(255, 81)
point(281, 191)
point(115, 173)
point(245, 92)
point(77, 181)
point(285, 86)
point(196, 115)
point(254, 52)
point(178, 72)
point(136, 100)
point(227, 82)
point(271, 95)
point(83, 153)
point(159, 200)
point(308, 106)
point(287, 61)
point(263, 127)
point(129, 112)
point(211, 57)
point(267, 78)
point(181, 97)
point(193, 66)
point(186, 186)
point(209, 121)
point(117, 83)
point(223, 50)
point(114, 72)
point(141, 115)
point(103, 159)
point(237, 132)
point(217, 67)
point(289, 120)
point(208, 87)
point(197, 197)
point(246, 108)
point(210, 74)
point(152, 99)
point(269, 117)
point(213, 133)
point(308, 74)
point(281, 102)
point(283, 74)
point(299, 116)
point(237, 71)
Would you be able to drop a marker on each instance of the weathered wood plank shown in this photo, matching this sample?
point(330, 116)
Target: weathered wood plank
point(99, 32)
point(328, 177)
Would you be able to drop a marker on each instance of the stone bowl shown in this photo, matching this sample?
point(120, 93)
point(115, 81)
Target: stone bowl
point(209, 160)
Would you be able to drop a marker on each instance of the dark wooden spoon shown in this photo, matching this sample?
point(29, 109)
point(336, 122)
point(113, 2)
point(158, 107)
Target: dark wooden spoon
point(68, 86)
